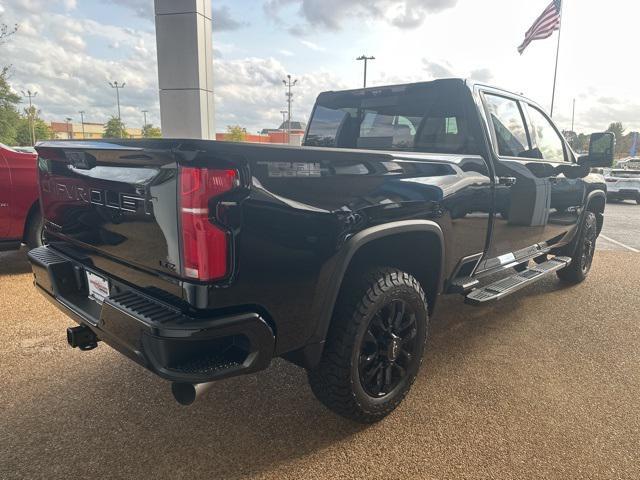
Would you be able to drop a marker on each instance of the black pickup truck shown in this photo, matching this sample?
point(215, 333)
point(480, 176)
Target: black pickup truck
point(202, 260)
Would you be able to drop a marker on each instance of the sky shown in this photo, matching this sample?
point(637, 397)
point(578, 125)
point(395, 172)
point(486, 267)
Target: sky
point(68, 51)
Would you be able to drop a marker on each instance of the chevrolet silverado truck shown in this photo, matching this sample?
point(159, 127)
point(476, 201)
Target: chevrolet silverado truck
point(201, 260)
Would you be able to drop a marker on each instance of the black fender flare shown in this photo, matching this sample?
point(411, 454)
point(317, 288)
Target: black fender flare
point(333, 272)
point(570, 247)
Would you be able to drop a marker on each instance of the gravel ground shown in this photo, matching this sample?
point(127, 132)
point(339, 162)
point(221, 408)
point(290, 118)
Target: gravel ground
point(544, 384)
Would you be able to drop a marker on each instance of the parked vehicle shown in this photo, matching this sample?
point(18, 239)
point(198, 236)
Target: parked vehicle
point(20, 216)
point(623, 184)
point(202, 260)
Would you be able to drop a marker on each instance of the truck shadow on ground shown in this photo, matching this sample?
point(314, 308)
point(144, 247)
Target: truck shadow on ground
point(245, 425)
point(14, 262)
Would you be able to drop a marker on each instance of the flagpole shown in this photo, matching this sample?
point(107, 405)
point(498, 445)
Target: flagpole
point(555, 74)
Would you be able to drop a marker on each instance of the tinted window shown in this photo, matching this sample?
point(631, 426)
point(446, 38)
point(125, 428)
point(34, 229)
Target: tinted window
point(545, 137)
point(509, 126)
point(436, 117)
point(326, 124)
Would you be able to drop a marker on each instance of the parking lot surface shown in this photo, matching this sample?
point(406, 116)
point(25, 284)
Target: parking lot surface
point(544, 384)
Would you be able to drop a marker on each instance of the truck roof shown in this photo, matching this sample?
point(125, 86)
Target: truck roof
point(470, 83)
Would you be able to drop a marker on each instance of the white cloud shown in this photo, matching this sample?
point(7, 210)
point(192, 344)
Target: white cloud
point(53, 60)
point(312, 46)
point(249, 92)
point(331, 14)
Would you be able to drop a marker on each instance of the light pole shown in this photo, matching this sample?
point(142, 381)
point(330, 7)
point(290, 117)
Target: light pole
point(68, 119)
point(118, 87)
point(289, 83)
point(32, 126)
point(366, 60)
point(81, 112)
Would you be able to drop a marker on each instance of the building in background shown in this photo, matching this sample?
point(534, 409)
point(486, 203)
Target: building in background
point(273, 135)
point(92, 131)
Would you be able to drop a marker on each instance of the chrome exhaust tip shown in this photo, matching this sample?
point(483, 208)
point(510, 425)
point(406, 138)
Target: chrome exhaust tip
point(188, 393)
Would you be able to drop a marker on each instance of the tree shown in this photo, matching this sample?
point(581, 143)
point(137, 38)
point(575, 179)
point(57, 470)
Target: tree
point(115, 128)
point(6, 31)
point(23, 133)
point(235, 133)
point(149, 131)
point(9, 115)
point(618, 130)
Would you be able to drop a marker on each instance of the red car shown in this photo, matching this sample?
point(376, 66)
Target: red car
point(20, 216)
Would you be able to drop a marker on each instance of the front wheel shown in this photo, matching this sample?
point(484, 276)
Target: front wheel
point(374, 346)
point(582, 258)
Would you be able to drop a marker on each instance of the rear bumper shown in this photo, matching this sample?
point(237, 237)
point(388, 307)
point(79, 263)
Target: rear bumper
point(627, 190)
point(175, 345)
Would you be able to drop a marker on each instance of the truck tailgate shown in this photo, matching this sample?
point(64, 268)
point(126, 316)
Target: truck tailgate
point(116, 200)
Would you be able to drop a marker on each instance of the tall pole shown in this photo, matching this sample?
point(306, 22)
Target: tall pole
point(555, 74)
point(81, 112)
point(573, 115)
point(144, 112)
point(289, 84)
point(32, 126)
point(366, 60)
point(68, 119)
point(118, 87)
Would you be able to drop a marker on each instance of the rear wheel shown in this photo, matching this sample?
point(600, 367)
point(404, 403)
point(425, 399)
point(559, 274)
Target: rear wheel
point(582, 258)
point(374, 346)
point(34, 236)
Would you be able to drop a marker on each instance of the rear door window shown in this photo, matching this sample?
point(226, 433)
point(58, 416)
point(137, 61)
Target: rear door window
point(509, 126)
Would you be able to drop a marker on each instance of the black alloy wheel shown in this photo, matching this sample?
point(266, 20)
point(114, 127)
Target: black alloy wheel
point(582, 256)
point(388, 349)
point(374, 346)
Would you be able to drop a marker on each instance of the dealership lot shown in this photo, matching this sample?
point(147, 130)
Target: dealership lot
point(541, 385)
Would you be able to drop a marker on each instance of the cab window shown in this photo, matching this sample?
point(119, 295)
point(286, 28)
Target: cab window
point(545, 137)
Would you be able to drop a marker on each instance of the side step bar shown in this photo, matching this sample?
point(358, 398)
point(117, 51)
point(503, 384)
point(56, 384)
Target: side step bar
point(509, 285)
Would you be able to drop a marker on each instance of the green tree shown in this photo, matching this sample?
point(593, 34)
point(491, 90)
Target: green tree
point(235, 133)
point(618, 130)
point(23, 133)
point(9, 115)
point(149, 131)
point(115, 128)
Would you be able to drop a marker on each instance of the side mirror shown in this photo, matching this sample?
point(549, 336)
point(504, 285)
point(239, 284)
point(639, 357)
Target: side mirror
point(601, 151)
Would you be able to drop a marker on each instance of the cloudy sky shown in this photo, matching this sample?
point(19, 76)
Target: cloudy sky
point(68, 50)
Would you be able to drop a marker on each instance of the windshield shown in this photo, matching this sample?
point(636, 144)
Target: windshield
point(431, 117)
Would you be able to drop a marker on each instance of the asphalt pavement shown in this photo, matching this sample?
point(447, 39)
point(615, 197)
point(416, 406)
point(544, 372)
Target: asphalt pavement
point(621, 227)
point(544, 384)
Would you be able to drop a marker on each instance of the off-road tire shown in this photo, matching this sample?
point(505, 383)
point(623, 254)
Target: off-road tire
point(337, 381)
point(34, 231)
point(582, 258)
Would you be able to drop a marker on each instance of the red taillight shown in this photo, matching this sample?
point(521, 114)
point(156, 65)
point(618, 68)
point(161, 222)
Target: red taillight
point(205, 246)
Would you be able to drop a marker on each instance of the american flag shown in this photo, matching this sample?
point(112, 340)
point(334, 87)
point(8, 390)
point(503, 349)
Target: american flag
point(544, 26)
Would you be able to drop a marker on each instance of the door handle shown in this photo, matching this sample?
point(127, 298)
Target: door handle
point(507, 181)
